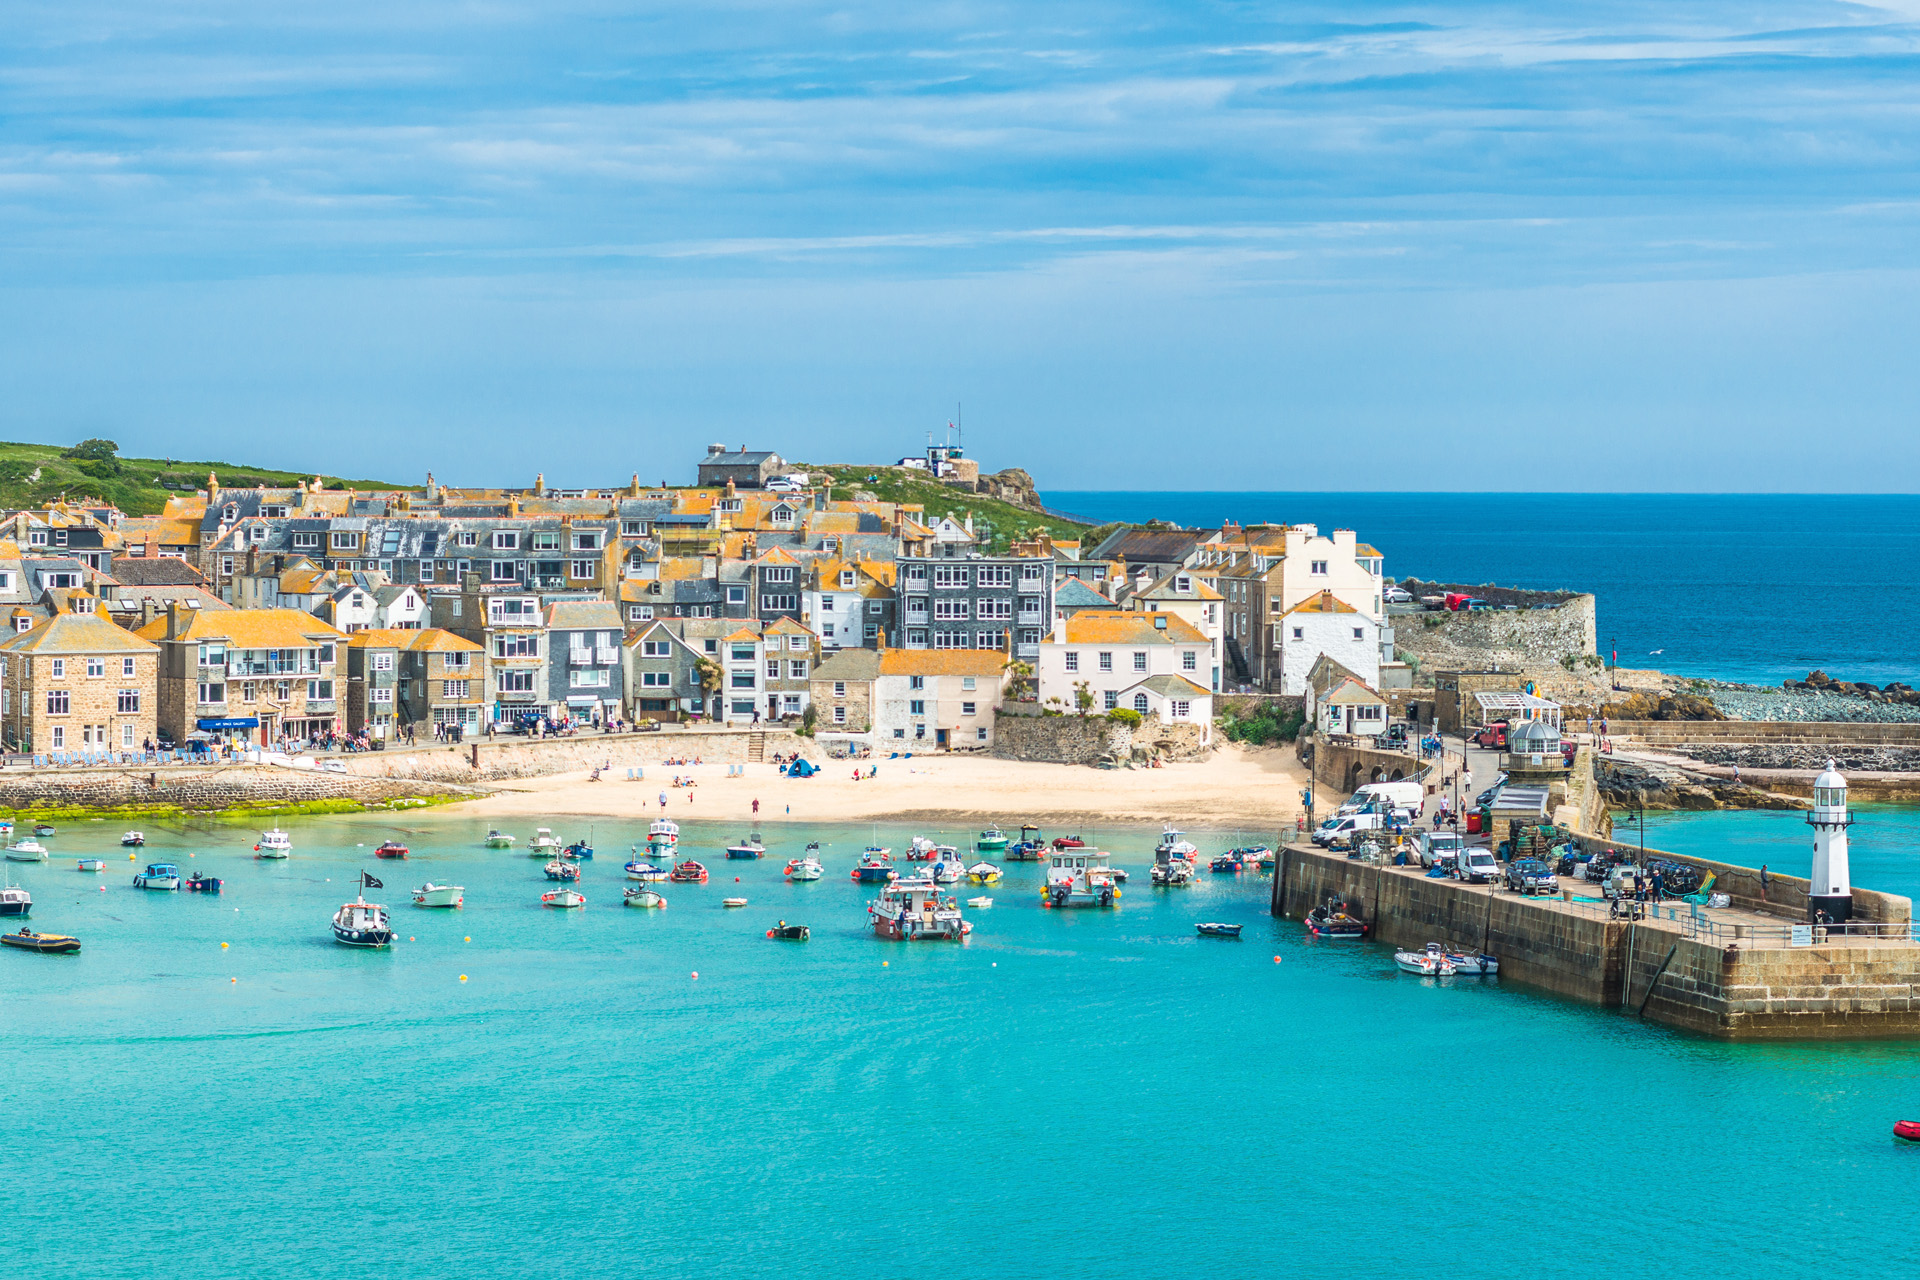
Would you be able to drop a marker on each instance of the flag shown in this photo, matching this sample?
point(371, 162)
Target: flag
point(368, 882)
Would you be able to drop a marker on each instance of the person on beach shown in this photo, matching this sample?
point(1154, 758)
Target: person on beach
point(1736, 775)
point(663, 800)
point(756, 806)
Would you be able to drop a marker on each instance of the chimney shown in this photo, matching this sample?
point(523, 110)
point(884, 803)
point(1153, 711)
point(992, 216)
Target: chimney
point(213, 488)
point(633, 486)
point(881, 638)
point(176, 623)
point(147, 610)
point(152, 551)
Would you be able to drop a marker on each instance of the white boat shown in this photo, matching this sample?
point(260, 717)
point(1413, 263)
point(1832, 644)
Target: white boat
point(545, 844)
point(28, 850)
point(93, 864)
point(807, 865)
point(361, 923)
point(158, 875)
point(981, 903)
point(1431, 963)
point(1174, 845)
point(1473, 964)
point(640, 869)
point(1175, 872)
point(921, 849)
point(14, 899)
point(1079, 877)
point(273, 844)
point(643, 896)
point(733, 902)
point(438, 895)
point(497, 839)
point(983, 873)
point(751, 847)
point(564, 898)
point(133, 840)
point(947, 870)
point(662, 836)
point(915, 910)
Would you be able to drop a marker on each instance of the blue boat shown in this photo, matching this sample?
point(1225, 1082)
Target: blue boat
point(751, 847)
point(1213, 929)
point(578, 849)
point(874, 867)
point(158, 875)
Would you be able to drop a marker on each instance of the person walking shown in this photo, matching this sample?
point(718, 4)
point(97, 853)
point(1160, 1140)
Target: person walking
point(756, 806)
point(1659, 886)
point(1765, 880)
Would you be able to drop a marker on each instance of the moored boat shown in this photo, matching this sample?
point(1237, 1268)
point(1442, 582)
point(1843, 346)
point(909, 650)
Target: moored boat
point(579, 851)
point(43, 829)
point(439, 895)
point(545, 844)
point(992, 840)
point(1029, 847)
point(564, 898)
point(1257, 856)
point(133, 840)
point(790, 932)
point(45, 943)
point(361, 923)
point(644, 871)
point(689, 872)
point(873, 869)
point(1171, 873)
point(27, 851)
point(947, 869)
point(733, 902)
point(983, 873)
point(1907, 1130)
point(391, 849)
point(1079, 877)
point(93, 864)
point(273, 844)
point(807, 865)
point(197, 883)
point(561, 870)
point(751, 847)
point(1069, 842)
point(158, 875)
point(1431, 963)
point(1475, 964)
point(498, 839)
point(1174, 844)
point(981, 903)
point(921, 849)
point(644, 896)
point(662, 836)
point(1334, 919)
point(1227, 862)
point(14, 899)
point(1214, 929)
point(916, 911)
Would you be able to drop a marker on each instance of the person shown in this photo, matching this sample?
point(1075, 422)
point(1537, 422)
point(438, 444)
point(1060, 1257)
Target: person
point(756, 806)
point(1659, 885)
point(1765, 880)
point(1736, 775)
point(663, 799)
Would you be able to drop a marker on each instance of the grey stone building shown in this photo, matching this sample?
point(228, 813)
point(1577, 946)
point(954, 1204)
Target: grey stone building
point(745, 469)
point(975, 602)
point(585, 676)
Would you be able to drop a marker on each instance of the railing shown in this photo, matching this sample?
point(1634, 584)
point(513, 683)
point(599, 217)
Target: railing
point(607, 657)
point(580, 657)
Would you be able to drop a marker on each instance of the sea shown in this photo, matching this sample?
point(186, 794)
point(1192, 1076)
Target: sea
point(212, 1087)
point(1749, 588)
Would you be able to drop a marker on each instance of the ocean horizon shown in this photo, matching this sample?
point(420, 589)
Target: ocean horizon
point(1747, 588)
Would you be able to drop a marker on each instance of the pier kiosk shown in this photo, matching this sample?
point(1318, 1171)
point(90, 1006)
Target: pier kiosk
point(1828, 889)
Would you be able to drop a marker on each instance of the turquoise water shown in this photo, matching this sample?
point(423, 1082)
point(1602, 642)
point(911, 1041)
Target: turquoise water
point(1075, 1093)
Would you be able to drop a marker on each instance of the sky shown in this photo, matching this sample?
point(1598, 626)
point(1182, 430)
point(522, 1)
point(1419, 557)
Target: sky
point(1131, 245)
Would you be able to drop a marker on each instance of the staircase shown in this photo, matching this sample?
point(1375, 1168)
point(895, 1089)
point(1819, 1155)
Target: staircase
point(757, 748)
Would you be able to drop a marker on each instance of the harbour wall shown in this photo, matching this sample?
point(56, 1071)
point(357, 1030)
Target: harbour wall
point(504, 759)
point(1786, 895)
point(199, 787)
point(1344, 768)
point(1839, 990)
point(1757, 732)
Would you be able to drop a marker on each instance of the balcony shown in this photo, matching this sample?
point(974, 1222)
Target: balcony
point(1032, 618)
point(606, 657)
point(579, 657)
point(1026, 651)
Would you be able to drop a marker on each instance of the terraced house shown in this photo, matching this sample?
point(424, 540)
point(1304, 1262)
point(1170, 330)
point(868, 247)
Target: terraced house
point(410, 680)
point(586, 679)
point(268, 673)
point(975, 602)
point(511, 627)
point(77, 682)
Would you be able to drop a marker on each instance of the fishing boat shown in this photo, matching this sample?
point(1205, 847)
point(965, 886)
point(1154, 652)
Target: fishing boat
point(565, 898)
point(916, 911)
point(1431, 963)
point(733, 902)
point(361, 923)
point(1474, 964)
point(1227, 862)
point(562, 870)
point(133, 840)
point(948, 869)
point(644, 896)
point(688, 872)
point(751, 847)
point(790, 932)
point(93, 864)
point(273, 844)
point(43, 829)
point(1174, 845)
point(1029, 847)
point(44, 943)
point(982, 903)
point(879, 851)
point(27, 851)
point(1171, 874)
point(579, 851)
point(497, 839)
point(391, 849)
point(807, 865)
point(158, 875)
point(1079, 877)
point(439, 895)
point(545, 844)
point(992, 840)
point(983, 873)
point(873, 869)
point(921, 849)
point(14, 899)
point(1258, 856)
point(639, 869)
point(1336, 920)
point(662, 836)
point(1069, 842)
point(197, 883)
point(1214, 929)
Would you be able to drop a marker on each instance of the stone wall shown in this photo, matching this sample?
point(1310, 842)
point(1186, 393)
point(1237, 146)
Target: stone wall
point(1085, 740)
point(1786, 894)
point(1773, 732)
point(1342, 769)
point(523, 758)
point(198, 787)
point(1520, 639)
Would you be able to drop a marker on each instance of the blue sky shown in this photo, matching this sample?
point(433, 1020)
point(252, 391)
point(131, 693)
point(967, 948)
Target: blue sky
point(1479, 246)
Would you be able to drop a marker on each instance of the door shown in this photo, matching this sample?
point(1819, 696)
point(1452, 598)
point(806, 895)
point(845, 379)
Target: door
point(940, 738)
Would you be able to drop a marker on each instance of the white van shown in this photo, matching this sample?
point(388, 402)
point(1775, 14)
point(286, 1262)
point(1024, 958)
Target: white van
point(1406, 796)
point(1346, 826)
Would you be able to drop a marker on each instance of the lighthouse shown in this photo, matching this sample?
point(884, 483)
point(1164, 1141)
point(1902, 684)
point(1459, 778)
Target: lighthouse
point(1828, 889)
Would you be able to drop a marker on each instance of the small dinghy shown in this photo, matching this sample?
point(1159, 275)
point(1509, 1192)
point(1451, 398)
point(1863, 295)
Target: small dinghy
point(439, 895)
point(43, 828)
point(644, 896)
point(133, 840)
point(689, 872)
point(45, 943)
point(391, 849)
point(982, 903)
point(1474, 964)
point(1907, 1130)
point(197, 883)
point(1334, 919)
point(1431, 963)
point(1214, 929)
point(733, 902)
point(563, 871)
point(789, 932)
point(983, 873)
point(93, 864)
point(564, 898)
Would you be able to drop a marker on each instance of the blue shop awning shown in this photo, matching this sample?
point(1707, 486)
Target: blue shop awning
point(248, 722)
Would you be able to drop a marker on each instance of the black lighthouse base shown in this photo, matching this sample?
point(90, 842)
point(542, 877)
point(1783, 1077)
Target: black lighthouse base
point(1838, 907)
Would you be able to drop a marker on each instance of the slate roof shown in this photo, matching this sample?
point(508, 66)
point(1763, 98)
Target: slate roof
point(161, 571)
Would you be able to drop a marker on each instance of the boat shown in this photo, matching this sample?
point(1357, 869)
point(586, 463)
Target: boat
point(273, 844)
point(361, 923)
point(1174, 860)
point(983, 873)
point(662, 836)
point(807, 865)
point(1079, 876)
point(1069, 842)
point(1334, 919)
point(565, 898)
point(1227, 862)
point(1431, 963)
point(498, 839)
point(873, 869)
point(915, 910)
point(1029, 847)
point(948, 868)
point(751, 847)
point(439, 895)
point(1474, 964)
point(197, 883)
point(545, 844)
point(689, 872)
point(158, 875)
point(93, 864)
point(992, 840)
point(880, 851)
point(1171, 873)
point(1258, 856)
point(391, 849)
point(921, 849)
point(646, 871)
point(14, 899)
point(1214, 929)
point(133, 840)
point(982, 903)
point(1907, 1130)
point(579, 851)
point(559, 869)
point(733, 902)
point(27, 851)
point(45, 943)
point(789, 932)
point(43, 828)
point(644, 896)
point(1174, 844)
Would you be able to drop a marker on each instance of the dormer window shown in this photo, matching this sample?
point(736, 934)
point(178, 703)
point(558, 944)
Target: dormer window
point(37, 538)
point(783, 515)
point(59, 537)
point(846, 579)
point(230, 511)
point(1183, 584)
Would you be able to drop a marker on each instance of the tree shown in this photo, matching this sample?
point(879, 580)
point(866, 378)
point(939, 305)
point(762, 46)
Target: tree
point(1125, 715)
point(710, 674)
point(1082, 697)
point(808, 719)
point(93, 450)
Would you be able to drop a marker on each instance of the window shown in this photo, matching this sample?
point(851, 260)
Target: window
point(950, 576)
point(846, 579)
point(582, 569)
point(126, 737)
point(839, 715)
point(773, 668)
point(1319, 567)
point(778, 603)
point(995, 610)
point(59, 668)
point(917, 639)
point(1112, 699)
point(226, 569)
point(306, 542)
point(426, 571)
point(456, 661)
point(1180, 709)
point(919, 731)
point(1183, 584)
point(946, 610)
point(1032, 572)
point(916, 682)
point(655, 648)
point(980, 734)
point(1358, 634)
point(343, 540)
point(320, 691)
point(468, 539)
point(383, 662)
point(776, 575)
point(59, 702)
point(381, 697)
point(516, 682)
point(1139, 659)
point(505, 541)
point(96, 667)
point(917, 608)
point(504, 571)
point(516, 646)
point(916, 573)
point(1073, 660)
point(59, 731)
point(655, 679)
point(1106, 661)
point(128, 702)
point(743, 653)
point(1140, 702)
point(213, 693)
point(1299, 633)
point(639, 612)
point(966, 708)
point(797, 669)
point(741, 680)
point(736, 595)
point(37, 538)
point(995, 575)
point(872, 632)
point(917, 707)
point(898, 733)
point(454, 688)
point(1189, 660)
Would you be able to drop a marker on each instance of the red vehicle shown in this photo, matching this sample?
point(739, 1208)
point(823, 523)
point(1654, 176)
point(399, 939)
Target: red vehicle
point(1492, 736)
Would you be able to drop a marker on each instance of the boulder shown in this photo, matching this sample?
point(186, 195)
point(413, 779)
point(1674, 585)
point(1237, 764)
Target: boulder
point(1012, 485)
point(1819, 679)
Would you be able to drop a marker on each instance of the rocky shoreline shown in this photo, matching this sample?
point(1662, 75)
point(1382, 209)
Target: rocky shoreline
point(1627, 784)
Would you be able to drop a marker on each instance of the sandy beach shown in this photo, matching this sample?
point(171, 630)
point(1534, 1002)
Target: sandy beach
point(1257, 789)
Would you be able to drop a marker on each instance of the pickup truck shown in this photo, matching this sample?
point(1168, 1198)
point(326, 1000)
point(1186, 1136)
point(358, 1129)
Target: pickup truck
point(1492, 736)
point(1437, 844)
point(1346, 826)
point(1476, 866)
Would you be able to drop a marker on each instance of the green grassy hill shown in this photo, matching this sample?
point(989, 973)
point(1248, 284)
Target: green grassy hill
point(995, 523)
point(32, 475)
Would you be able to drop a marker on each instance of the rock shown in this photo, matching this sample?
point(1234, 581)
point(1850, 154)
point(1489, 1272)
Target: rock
point(1819, 679)
point(1012, 485)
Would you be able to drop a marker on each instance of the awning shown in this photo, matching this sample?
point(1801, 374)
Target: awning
point(248, 722)
point(577, 701)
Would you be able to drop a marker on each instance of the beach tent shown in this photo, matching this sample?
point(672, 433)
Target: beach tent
point(801, 769)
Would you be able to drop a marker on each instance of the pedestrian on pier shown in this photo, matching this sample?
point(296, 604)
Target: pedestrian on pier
point(1765, 880)
point(1659, 887)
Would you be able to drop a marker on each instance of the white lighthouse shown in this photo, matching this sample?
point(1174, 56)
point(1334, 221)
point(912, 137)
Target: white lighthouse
point(1828, 889)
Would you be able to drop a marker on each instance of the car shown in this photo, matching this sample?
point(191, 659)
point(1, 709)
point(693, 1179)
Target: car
point(1476, 866)
point(1396, 595)
point(1435, 845)
point(1530, 876)
point(1491, 736)
point(1492, 793)
point(1621, 880)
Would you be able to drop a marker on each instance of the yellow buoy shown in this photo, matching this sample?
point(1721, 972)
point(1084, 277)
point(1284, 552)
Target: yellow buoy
point(468, 938)
point(223, 946)
point(463, 977)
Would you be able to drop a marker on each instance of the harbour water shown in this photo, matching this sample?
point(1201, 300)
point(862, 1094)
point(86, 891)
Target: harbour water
point(1078, 1093)
point(1754, 588)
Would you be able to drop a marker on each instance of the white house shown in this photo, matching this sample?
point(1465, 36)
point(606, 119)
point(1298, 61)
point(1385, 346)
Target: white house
point(350, 608)
point(1339, 702)
point(1152, 663)
point(399, 608)
point(845, 604)
point(1325, 624)
point(740, 659)
point(910, 699)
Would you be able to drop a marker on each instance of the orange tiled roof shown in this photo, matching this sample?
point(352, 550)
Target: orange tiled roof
point(1100, 626)
point(942, 662)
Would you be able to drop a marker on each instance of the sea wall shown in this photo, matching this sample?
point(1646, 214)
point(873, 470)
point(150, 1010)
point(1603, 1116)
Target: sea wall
point(1769, 732)
point(1517, 639)
point(1090, 739)
point(503, 759)
point(1786, 895)
point(1338, 767)
point(198, 787)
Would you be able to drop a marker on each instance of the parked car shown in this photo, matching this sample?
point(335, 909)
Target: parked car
point(1435, 845)
point(1491, 736)
point(1530, 876)
point(1396, 595)
point(1477, 866)
point(1621, 880)
point(1492, 793)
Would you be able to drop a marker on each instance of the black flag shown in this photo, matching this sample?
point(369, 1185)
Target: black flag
point(368, 882)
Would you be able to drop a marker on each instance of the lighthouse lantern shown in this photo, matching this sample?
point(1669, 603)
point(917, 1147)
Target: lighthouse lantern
point(1829, 893)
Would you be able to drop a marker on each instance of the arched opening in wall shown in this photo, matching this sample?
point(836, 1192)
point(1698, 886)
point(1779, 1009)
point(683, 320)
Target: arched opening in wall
point(1353, 776)
point(1376, 775)
point(1399, 775)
